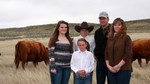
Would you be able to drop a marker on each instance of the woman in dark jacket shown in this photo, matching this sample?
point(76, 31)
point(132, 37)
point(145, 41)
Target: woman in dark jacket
point(118, 53)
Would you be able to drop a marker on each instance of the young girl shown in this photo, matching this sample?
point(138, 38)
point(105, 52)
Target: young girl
point(60, 51)
point(82, 63)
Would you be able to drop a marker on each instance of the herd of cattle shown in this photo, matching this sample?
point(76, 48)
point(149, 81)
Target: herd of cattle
point(32, 51)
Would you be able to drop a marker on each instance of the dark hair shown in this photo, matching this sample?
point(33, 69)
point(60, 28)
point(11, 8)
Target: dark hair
point(123, 30)
point(88, 46)
point(54, 37)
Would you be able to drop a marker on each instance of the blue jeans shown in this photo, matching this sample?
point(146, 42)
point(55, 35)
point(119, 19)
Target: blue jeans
point(62, 76)
point(101, 72)
point(121, 77)
point(82, 80)
point(91, 77)
point(52, 76)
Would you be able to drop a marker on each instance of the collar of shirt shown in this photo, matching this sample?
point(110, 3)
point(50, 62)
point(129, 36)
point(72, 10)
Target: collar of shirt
point(85, 37)
point(83, 52)
point(105, 26)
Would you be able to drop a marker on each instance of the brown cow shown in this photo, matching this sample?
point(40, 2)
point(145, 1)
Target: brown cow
point(26, 51)
point(141, 50)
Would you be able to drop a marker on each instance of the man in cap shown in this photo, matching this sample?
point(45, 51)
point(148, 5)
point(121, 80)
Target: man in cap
point(100, 38)
point(84, 29)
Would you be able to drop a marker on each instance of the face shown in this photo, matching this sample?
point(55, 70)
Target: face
point(84, 32)
point(103, 21)
point(82, 45)
point(117, 27)
point(62, 28)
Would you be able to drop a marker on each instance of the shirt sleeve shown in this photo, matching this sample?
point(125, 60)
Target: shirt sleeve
point(128, 49)
point(91, 64)
point(73, 61)
point(106, 52)
point(74, 44)
point(92, 45)
point(51, 57)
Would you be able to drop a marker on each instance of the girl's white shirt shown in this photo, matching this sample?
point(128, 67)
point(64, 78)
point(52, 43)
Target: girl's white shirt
point(82, 61)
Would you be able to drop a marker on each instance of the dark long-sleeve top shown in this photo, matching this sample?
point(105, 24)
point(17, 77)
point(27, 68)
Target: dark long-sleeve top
point(117, 49)
point(100, 38)
point(60, 54)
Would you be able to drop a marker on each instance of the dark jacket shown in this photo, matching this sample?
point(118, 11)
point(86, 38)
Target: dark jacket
point(119, 48)
point(100, 38)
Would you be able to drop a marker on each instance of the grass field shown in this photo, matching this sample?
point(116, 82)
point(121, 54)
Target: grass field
point(40, 74)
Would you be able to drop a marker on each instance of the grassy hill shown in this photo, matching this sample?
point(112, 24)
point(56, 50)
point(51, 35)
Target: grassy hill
point(136, 26)
point(139, 26)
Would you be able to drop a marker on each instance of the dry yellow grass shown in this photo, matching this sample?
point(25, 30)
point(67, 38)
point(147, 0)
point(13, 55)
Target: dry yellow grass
point(40, 74)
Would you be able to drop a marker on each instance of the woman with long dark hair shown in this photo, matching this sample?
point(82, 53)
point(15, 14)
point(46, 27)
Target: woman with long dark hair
point(60, 51)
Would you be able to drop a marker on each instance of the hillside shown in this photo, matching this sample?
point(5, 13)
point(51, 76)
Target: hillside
point(139, 26)
point(136, 26)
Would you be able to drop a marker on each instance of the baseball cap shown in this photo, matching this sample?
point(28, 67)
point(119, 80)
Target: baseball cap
point(103, 14)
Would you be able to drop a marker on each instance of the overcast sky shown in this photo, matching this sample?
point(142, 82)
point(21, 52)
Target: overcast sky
point(20, 13)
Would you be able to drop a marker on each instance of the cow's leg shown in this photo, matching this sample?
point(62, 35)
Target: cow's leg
point(23, 65)
point(26, 63)
point(24, 60)
point(35, 63)
point(147, 61)
point(17, 63)
point(46, 62)
point(140, 62)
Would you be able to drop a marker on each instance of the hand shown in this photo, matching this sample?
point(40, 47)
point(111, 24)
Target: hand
point(116, 68)
point(119, 65)
point(53, 71)
point(111, 69)
point(81, 73)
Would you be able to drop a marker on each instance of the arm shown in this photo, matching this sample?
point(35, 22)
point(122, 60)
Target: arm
point(91, 66)
point(111, 69)
point(92, 45)
point(127, 54)
point(94, 50)
point(51, 58)
point(128, 50)
point(73, 61)
point(74, 44)
point(119, 65)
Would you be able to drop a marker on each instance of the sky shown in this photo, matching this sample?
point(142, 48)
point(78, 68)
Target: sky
point(21, 13)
